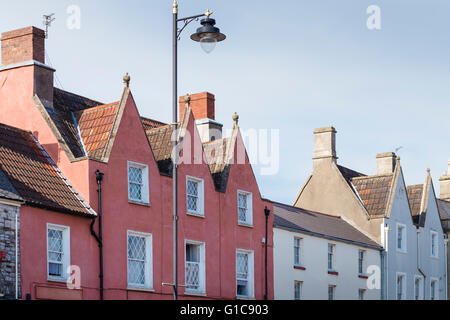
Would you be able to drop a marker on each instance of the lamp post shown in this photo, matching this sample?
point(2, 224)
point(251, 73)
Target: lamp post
point(208, 36)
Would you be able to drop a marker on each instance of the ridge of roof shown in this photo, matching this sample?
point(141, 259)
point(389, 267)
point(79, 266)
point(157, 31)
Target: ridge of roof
point(302, 210)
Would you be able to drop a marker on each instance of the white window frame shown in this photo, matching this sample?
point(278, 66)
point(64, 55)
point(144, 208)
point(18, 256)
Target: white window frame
point(202, 267)
point(298, 285)
point(436, 288)
point(300, 252)
point(333, 257)
point(148, 262)
point(201, 197)
point(65, 253)
point(331, 292)
point(404, 242)
point(251, 273)
point(434, 236)
point(249, 216)
point(362, 262)
point(404, 282)
point(145, 191)
point(421, 286)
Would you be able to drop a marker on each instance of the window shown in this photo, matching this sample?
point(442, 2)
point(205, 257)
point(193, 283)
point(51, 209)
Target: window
point(418, 288)
point(434, 289)
point(244, 273)
point(58, 252)
point(298, 252)
point(140, 273)
point(331, 292)
point(361, 294)
point(245, 210)
point(434, 244)
point(331, 249)
point(401, 238)
point(361, 262)
point(138, 189)
point(195, 267)
point(298, 286)
point(194, 196)
point(401, 286)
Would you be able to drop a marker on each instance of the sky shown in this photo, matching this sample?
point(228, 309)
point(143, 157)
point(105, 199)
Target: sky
point(287, 65)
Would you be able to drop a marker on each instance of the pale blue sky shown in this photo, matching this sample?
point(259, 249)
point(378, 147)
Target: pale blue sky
point(288, 65)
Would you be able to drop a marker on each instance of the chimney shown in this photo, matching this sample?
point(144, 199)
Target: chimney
point(386, 163)
point(24, 48)
point(325, 145)
point(203, 109)
point(445, 185)
point(22, 45)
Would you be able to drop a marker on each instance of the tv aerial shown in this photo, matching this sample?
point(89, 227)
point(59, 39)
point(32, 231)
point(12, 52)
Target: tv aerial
point(48, 19)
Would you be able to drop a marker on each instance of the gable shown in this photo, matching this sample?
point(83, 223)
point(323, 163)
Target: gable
point(399, 209)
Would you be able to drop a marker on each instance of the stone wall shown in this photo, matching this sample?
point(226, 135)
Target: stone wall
point(8, 245)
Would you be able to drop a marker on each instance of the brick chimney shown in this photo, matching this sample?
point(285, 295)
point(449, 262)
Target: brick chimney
point(203, 109)
point(445, 185)
point(23, 45)
point(325, 145)
point(386, 163)
point(26, 48)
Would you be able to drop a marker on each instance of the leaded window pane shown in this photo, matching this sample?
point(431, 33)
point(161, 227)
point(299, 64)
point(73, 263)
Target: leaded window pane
point(136, 260)
point(242, 274)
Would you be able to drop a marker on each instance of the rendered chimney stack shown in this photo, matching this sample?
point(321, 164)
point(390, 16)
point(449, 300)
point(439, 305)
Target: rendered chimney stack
point(203, 109)
point(23, 45)
point(386, 163)
point(325, 145)
point(445, 185)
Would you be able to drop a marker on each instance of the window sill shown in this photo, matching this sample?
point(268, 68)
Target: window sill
point(333, 273)
point(299, 268)
point(434, 257)
point(196, 215)
point(195, 294)
point(244, 298)
point(246, 225)
point(362, 276)
point(402, 251)
point(151, 290)
point(144, 204)
point(56, 280)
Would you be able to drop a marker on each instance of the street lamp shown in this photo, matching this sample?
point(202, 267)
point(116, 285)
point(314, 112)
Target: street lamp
point(208, 35)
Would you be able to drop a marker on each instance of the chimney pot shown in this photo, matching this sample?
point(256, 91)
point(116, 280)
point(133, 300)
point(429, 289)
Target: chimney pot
point(386, 163)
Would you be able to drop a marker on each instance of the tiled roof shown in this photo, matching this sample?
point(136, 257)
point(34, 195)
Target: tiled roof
point(415, 194)
point(67, 101)
point(7, 190)
point(96, 125)
point(217, 154)
point(349, 174)
point(160, 140)
point(318, 224)
point(374, 192)
point(35, 178)
point(151, 124)
point(444, 209)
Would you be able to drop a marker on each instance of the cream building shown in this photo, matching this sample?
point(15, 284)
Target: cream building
point(444, 211)
point(378, 205)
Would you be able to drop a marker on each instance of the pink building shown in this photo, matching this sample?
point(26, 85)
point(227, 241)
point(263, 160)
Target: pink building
point(222, 214)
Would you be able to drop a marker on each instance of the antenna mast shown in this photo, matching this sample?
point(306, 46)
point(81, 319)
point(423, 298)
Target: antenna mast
point(48, 19)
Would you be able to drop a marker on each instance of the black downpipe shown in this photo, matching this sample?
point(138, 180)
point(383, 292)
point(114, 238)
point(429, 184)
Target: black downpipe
point(99, 238)
point(266, 293)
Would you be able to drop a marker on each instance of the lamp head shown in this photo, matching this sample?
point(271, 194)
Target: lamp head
point(208, 35)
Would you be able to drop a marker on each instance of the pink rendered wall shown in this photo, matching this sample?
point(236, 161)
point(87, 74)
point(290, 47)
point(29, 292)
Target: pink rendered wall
point(33, 248)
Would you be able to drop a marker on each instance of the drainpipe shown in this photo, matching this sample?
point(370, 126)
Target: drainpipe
point(446, 268)
point(386, 262)
point(383, 275)
point(266, 294)
point(99, 176)
point(17, 254)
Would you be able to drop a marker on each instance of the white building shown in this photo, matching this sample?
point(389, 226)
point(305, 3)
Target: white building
point(322, 257)
point(405, 221)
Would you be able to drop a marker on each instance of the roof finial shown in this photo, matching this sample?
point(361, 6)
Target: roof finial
point(208, 13)
point(428, 170)
point(236, 119)
point(187, 100)
point(126, 80)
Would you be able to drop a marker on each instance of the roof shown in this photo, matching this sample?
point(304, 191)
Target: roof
point(319, 225)
point(149, 124)
point(217, 154)
point(444, 209)
point(96, 125)
point(374, 192)
point(160, 140)
point(33, 175)
point(415, 195)
point(7, 190)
